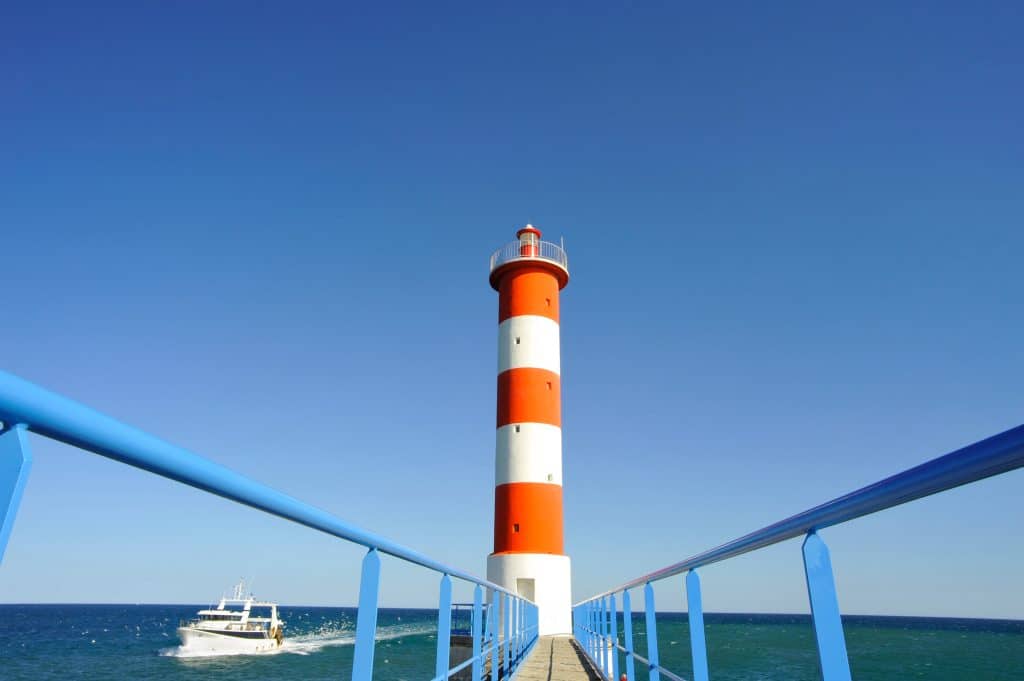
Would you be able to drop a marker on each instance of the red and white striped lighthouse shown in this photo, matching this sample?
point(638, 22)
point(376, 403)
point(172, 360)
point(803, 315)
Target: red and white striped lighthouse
point(528, 553)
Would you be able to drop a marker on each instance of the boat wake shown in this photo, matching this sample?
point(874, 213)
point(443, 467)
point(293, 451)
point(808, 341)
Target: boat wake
point(307, 644)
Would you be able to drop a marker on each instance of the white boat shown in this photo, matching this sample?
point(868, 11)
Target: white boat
point(233, 627)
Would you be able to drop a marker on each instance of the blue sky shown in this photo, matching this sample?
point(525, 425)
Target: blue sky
point(262, 232)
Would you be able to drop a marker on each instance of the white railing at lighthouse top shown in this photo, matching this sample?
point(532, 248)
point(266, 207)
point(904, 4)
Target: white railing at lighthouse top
point(540, 250)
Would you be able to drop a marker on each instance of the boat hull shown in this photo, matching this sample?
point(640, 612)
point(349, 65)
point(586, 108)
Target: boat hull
point(214, 642)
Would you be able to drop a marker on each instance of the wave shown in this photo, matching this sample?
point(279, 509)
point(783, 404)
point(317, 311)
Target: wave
point(306, 644)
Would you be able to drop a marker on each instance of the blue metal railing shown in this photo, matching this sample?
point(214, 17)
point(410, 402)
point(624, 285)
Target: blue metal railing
point(595, 622)
point(25, 407)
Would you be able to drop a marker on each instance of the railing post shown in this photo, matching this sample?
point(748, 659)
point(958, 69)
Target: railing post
point(581, 625)
point(525, 627)
point(524, 619)
point(520, 628)
point(652, 632)
point(695, 614)
point(507, 601)
point(521, 619)
point(627, 630)
point(477, 632)
point(444, 628)
point(592, 633)
point(366, 618)
point(615, 640)
point(606, 629)
point(588, 627)
point(516, 630)
point(828, 624)
point(584, 624)
point(15, 462)
point(527, 623)
point(495, 643)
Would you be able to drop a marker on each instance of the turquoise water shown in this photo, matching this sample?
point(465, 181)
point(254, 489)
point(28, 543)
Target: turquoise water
point(770, 647)
point(138, 642)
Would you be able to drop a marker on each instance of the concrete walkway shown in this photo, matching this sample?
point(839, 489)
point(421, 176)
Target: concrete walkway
point(556, 658)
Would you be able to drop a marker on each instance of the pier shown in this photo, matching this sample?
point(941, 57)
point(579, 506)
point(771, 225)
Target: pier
point(557, 658)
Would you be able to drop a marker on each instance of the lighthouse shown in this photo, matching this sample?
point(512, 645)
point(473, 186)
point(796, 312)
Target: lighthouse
point(529, 554)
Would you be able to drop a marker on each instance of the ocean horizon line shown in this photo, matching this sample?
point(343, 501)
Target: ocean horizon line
point(428, 609)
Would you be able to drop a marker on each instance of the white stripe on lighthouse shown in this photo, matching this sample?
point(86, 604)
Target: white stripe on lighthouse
point(528, 341)
point(528, 452)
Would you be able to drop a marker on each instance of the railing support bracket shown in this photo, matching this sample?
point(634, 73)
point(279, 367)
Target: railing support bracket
point(695, 613)
point(444, 628)
point(627, 633)
point(366, 618)
point(477, 632)
point(828, 625)
point(650, 613)
point(614, 638)
point(15, 462)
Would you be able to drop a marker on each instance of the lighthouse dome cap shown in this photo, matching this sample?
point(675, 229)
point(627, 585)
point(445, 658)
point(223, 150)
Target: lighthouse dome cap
point(529, 229)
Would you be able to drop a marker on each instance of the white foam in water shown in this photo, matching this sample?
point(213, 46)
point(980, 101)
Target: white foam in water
point(305, 644)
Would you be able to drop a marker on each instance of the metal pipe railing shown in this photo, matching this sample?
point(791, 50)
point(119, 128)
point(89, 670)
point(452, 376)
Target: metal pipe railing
point(26, 406)
point(65, 420)
point(992, 456)
point(995, 455)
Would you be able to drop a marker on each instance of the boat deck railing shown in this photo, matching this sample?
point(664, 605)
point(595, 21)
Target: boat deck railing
point(27, 408)
point(595, 620)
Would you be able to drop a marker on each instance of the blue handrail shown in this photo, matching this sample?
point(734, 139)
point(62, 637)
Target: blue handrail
point(26, 406)
point(995, 455)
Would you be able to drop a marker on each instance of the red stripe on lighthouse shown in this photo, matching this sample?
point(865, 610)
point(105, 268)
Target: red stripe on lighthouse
point(527, 289)
point(529, 395)
point(528, 518)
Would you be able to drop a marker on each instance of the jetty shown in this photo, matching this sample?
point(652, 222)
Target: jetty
point(557, 658)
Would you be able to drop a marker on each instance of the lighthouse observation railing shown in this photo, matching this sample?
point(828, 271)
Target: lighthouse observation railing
point(540, 250)
point(595, 620)
point(505, 636)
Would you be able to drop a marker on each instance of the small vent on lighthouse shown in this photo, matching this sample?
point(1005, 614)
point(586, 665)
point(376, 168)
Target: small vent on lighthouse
point(517, 340)
point(515, 527)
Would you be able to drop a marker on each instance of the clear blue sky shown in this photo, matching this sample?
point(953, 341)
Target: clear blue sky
point(261, 231)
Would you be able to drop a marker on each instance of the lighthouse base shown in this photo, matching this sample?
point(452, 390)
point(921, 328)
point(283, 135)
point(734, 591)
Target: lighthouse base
point(541, 577)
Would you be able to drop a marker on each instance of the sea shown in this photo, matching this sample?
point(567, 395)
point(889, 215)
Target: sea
point(39, 642)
